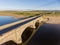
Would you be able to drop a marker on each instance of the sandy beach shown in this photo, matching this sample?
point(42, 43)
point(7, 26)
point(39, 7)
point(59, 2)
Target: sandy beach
point(54, 19)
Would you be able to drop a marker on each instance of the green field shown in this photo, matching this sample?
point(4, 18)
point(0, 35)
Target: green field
point(29, 13)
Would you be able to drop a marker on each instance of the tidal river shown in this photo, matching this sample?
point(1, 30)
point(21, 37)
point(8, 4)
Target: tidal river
point(47, 34)
point(7, 19)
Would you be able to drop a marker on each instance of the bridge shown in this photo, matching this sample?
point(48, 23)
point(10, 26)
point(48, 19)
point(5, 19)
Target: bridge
point(20, 31)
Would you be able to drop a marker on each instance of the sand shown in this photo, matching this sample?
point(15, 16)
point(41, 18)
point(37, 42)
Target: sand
point(54, 20)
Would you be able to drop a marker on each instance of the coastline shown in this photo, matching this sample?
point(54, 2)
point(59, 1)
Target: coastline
point(14, 15)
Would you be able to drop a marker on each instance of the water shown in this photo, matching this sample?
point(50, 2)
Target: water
point(47, 34)
point(6, 19)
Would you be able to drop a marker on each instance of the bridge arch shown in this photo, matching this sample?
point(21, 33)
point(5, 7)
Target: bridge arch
point(27, 33)
point(37, 24)
point(29, 30)
point(9, 43)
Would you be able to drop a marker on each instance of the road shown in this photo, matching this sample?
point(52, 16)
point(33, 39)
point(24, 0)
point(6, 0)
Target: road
point(47, 34)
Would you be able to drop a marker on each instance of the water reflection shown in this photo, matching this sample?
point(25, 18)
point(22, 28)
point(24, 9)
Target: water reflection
point(6, 19)
point(47, 34)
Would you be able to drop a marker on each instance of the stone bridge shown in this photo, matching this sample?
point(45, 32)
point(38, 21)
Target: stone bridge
point(20, 31)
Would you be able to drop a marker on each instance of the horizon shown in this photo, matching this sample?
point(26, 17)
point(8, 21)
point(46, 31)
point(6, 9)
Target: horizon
point(25, 5)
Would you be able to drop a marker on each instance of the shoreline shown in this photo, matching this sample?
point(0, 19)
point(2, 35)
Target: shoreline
point(15, 16)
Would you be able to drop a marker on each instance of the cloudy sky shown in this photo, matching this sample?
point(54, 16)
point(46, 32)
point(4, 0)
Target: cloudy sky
point(29, 4)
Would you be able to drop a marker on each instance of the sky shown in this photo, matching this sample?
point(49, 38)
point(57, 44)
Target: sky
point(29, 4)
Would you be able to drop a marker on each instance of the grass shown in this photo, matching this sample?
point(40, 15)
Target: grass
point(30, 13)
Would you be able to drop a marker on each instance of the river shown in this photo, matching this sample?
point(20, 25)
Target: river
point(47, 34)
point(7, 19)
